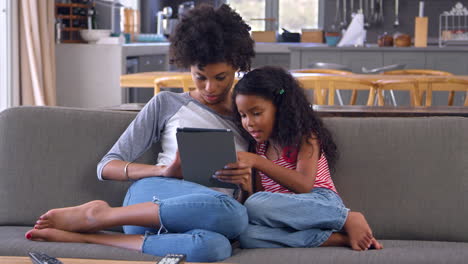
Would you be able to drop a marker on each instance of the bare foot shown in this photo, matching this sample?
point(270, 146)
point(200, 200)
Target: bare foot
point(337, 240)
point(375, 244)
point(53, 235)
point(359, 232)
point(82, 218)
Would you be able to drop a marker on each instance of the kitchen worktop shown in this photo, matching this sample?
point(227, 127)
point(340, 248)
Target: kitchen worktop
point(374, 47)
point(284, 47)
point(261, 47)
point(136, 49)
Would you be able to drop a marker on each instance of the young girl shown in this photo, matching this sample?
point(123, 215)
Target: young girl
point(297, 204)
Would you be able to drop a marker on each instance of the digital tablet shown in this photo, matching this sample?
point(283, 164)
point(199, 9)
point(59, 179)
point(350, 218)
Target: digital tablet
point(203, 151)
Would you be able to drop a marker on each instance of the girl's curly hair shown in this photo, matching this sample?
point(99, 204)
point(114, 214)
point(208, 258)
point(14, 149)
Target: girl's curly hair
point(206, 35)
point(295, 118)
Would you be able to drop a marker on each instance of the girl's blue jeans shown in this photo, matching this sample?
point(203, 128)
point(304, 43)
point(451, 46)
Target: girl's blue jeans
point(292, 220)
point(195, 220)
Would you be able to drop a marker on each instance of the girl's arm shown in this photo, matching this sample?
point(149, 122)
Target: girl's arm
point(302, 179)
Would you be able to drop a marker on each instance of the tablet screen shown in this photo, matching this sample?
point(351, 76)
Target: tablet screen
point(203, 151)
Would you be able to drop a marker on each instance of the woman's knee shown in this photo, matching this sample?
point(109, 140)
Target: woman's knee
point(209, 247)
point(235, 219)
point(198, 245)
point(217, 213)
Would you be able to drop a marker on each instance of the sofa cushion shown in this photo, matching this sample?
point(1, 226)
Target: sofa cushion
point(49, 156)
point(409, 176)
point(13, 243)
point(394, 252)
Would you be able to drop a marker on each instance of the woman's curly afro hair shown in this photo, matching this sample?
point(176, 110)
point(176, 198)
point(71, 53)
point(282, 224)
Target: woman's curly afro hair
point(206, 35)
point(295, 118)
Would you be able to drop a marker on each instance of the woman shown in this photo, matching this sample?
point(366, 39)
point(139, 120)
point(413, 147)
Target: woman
point(165, 214)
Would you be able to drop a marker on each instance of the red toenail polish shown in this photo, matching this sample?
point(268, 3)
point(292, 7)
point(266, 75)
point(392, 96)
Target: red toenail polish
point(28, 236)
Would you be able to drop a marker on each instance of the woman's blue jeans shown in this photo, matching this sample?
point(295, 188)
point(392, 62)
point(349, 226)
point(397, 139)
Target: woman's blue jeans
point(195, 220)
point(292, 220)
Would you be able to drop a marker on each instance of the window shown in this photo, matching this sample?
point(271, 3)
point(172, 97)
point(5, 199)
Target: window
point(133, 4)
point(303, 14)
point(292, 15)
point(252, 11)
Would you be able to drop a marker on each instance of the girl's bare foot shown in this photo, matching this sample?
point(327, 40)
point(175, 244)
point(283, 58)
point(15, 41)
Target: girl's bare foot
point(337, 240)
point(359, 232)
point(82, 218)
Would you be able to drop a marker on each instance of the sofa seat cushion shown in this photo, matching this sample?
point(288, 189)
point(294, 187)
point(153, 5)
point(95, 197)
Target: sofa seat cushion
point(395, 251)
point(13, 243)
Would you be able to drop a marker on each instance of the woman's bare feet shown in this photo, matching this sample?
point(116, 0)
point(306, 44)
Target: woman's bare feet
point(133, 242)
point(359, 233)
point(54, 235)
point(82, 218)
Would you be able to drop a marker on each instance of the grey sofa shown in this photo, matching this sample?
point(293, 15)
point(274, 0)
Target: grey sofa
point(409, 176)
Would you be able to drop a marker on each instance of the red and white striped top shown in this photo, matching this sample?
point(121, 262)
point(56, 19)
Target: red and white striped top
point(322, 179)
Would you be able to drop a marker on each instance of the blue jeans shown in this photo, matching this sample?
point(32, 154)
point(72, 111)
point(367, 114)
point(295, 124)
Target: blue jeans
point(195, 220)
point(292, 220)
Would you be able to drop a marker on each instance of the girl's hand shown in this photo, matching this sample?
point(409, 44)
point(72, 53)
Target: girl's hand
point(239, 173)
point(174, 170)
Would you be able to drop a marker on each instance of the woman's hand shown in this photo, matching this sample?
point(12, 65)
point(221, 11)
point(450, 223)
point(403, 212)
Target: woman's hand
point(174, 170)
point(240, 172)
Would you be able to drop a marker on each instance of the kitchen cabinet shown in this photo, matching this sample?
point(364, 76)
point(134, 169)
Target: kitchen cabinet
point(451, 59)
point(356, 60)
point(318, 56)
point(454, 62)
point(150, 63)
point(146, 63)
point(412, 60)
point(88, 75)
point(272, 59)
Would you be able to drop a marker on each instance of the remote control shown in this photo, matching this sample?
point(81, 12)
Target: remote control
point(172, 259)
point(42, 258)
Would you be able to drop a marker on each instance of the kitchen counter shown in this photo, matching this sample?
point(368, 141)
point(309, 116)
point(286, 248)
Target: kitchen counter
point(374, 47)
point(453, 59)
point(163, 47)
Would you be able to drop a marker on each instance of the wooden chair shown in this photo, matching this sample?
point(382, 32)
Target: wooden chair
point(398, 85)
point(183, 81)
point(418, 72)
point(326, 85)
point(353, 98)
point(449, 84)
point(451, 94)
point(324, 71)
